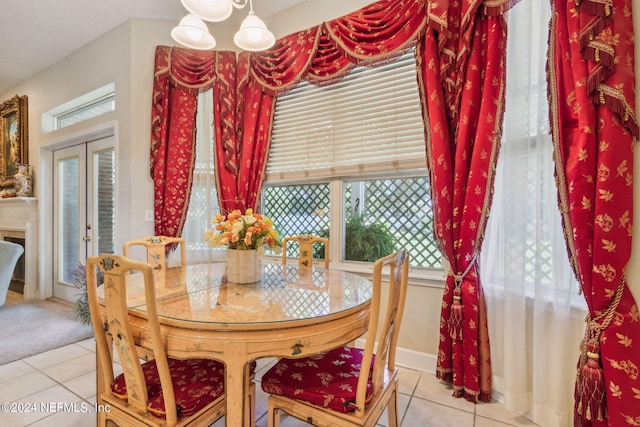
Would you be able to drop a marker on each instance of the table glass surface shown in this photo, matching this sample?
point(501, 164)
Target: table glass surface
point(284, 293)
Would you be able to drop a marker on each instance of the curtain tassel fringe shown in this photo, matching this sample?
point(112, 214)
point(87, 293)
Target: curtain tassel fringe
point(592, 403)
point(455, 318)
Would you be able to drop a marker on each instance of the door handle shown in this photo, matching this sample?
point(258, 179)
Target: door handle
point(87, 238)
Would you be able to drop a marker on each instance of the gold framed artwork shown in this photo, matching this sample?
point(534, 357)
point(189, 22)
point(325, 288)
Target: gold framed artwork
point(14, 138)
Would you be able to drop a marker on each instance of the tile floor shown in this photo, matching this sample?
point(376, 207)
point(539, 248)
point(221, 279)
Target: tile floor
point(57, 388)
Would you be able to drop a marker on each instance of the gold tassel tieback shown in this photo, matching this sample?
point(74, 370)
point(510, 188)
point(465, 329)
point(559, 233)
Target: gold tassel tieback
point(593, 391)
point(456, 318)
point(590, 381)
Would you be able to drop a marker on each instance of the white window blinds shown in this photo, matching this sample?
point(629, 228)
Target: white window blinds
point(366, 123)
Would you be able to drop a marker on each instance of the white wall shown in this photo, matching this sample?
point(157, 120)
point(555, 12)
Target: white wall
point(633, 270)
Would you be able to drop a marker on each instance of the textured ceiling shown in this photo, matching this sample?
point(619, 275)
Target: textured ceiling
point(35, 34)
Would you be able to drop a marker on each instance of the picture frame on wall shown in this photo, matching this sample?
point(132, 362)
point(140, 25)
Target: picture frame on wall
point(14, 138)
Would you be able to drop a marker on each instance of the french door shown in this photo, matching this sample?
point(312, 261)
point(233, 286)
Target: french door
point(84, 209)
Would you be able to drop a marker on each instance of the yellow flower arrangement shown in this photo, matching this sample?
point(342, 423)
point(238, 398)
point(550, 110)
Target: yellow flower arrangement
point(243, 232)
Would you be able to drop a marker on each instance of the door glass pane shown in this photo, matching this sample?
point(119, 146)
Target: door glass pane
point(68, 217)
point(104, 201)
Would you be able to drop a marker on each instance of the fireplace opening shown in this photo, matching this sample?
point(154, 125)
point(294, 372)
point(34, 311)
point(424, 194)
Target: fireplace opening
point(18, 277)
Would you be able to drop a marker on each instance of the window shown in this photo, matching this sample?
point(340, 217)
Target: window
point(524, 237)
point(203, 204)
point(85, 107)
point(347, 161)
point(86, 111)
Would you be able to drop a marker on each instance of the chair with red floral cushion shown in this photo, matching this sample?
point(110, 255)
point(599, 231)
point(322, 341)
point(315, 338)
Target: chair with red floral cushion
point(163, 391)
point(305, 245)
point(347, 386)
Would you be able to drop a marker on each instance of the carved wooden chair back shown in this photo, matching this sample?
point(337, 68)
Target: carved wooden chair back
point(157, 249)
point(305, 245)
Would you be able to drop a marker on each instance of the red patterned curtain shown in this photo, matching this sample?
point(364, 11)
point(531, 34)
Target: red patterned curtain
point(592, 90)
point(461, 65)
point(258, 109)
point(226, 128)
point(180, 74)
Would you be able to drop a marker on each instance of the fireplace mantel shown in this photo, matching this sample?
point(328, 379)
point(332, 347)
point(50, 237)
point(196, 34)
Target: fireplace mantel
point(19, 217)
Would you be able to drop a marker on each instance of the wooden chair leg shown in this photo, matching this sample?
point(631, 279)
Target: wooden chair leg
point(250, 396)
point(273, 415)
point(392, 409)
point(250, 400)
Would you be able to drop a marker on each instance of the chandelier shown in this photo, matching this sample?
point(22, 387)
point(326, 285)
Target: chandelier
point(192, 31)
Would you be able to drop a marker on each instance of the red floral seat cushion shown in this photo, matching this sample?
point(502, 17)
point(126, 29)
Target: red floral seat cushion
point(196, 383)
point(329, 380)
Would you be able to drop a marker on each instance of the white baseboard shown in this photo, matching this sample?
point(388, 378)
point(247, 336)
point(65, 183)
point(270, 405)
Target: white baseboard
point(411, 359)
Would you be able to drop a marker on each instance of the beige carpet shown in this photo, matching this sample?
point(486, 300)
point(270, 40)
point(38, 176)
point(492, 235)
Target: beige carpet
point(33, 327)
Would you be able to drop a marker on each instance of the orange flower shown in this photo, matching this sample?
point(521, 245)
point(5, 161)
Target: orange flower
point(247, 238)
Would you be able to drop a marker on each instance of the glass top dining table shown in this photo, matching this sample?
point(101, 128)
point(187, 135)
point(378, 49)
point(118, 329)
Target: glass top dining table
point(291, 312)
point(285, 293)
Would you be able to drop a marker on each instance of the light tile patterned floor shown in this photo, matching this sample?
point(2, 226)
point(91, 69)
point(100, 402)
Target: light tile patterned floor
point(57, 388)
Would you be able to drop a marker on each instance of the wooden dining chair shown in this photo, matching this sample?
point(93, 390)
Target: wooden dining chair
point(347, 386)
point(156, 249)
point(305, 249)
point(163, 391)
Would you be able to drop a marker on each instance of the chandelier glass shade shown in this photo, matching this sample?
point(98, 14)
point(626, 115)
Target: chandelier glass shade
point(253, 34)
point(211, 10)
point(192, 31)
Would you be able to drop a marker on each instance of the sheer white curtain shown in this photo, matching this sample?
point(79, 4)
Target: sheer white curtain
point(203, 204)
point(535, 312)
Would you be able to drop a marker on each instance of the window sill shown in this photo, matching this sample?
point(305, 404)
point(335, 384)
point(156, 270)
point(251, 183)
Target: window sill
point(433, 278)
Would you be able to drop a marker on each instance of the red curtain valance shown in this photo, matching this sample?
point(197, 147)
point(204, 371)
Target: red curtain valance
point(321, 54)
point(192, 70)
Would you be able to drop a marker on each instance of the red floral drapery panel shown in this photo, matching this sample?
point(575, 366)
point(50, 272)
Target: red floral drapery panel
point(462, 74)
point(591, 90)
point(179, 75)
point(254, 134)
point(226, 127)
